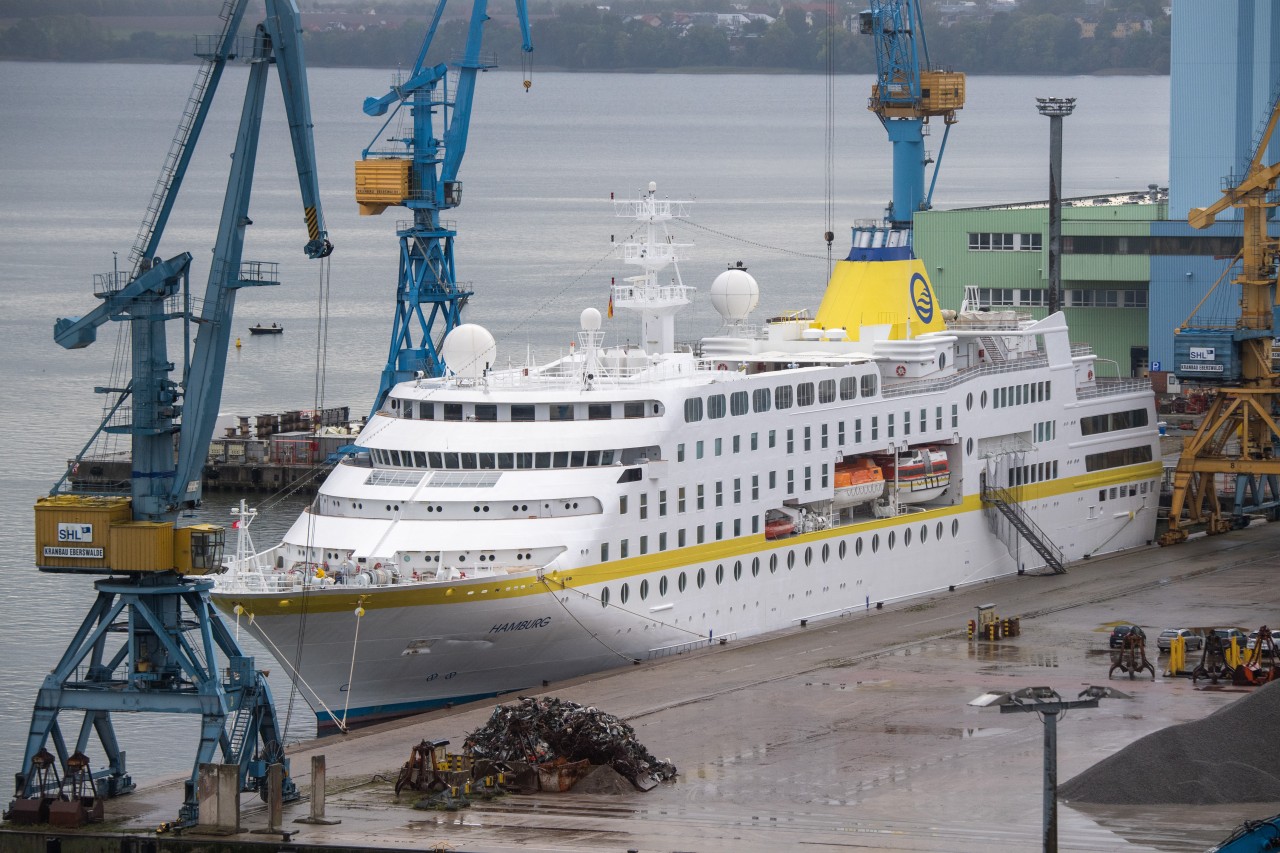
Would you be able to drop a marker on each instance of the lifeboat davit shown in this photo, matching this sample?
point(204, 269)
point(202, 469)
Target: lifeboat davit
point(858, 481)
point(919, 474)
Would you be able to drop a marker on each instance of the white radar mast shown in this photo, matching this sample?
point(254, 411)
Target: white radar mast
point(657, 301)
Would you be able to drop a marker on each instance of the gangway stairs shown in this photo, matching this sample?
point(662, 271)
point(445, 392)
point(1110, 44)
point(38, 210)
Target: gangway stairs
point(1008, 506)
point(214, 53)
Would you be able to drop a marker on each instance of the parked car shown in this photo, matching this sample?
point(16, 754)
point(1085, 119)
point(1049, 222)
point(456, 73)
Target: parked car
point(1229, 634)
point(1253, 639)
point(1119, 632)
point(1192, 641)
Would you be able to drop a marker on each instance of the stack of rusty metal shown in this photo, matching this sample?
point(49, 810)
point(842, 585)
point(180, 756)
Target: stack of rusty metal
point(549, 731)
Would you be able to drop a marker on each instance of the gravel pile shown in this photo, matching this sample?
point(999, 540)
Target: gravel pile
point(1231, 756)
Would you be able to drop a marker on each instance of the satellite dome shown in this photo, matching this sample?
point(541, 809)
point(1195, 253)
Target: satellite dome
point(735, 293)
point(590, 319)
point(468, 350)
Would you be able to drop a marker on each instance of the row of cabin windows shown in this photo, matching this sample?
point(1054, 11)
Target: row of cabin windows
point(700, 533)
point(1036, 473)
point(523, 413)
point(1117, 458)
point(450, 461)
point(1046, 431)
point(1131, 490)
point(735, 442)
point(793, 556)
point(1111, 421)
point(719, 492)
point(1018, 395)
point(779, 397)
point(1038, 297)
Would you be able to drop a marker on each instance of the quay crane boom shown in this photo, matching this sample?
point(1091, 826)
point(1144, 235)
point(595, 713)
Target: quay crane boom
point(1239, 437)
point(420, 172)
point(908, 92)
point(155, 603)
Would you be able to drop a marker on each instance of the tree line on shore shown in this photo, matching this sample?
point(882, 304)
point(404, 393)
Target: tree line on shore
point(1036, 37)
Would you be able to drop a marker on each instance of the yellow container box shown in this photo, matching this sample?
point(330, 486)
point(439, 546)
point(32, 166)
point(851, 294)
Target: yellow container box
point(380, 183)
point(142, 546)
point(73, 532)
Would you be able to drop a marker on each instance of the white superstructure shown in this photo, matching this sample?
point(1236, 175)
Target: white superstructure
point(502, 528)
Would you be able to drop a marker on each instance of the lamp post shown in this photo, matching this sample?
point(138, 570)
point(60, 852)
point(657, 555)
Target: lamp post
point(1046, 702)
point(1056, 109)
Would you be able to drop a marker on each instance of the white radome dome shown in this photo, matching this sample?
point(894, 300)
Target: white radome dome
point(590, 319)
point(735, 294)
point(468, 350)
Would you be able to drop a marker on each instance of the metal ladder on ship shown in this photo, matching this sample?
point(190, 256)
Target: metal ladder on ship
point(1010, 508)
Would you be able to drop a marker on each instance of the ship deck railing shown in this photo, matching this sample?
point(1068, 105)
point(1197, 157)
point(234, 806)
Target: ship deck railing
point(1103, 388)
point(690, 645)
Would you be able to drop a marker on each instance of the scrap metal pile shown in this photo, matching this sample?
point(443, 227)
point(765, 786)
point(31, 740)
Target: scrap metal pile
point(546, 730)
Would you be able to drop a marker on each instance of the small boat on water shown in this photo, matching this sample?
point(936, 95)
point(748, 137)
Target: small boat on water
point(921, 474)
point(273, 329)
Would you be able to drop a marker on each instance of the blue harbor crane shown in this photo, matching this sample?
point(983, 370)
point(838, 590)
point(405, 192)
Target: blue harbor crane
point(420, 172)
point(152, 641)
point(908, 92)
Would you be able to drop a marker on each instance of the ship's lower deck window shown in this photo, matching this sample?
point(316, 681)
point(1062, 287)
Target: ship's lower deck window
point(1111, 421)
point(1117, 458)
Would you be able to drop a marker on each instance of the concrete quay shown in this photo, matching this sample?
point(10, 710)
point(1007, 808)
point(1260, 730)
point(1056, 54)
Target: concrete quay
point(847, 734)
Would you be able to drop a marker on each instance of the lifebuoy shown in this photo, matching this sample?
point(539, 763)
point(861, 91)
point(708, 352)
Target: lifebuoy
point(1090, 374)
point(722, 366)
point(902, 370)
point(377, 565)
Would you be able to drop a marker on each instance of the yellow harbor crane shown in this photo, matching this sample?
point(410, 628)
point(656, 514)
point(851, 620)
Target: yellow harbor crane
point(1239, 436)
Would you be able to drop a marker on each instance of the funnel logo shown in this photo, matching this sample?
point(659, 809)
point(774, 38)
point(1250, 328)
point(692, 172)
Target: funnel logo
point(922, 298)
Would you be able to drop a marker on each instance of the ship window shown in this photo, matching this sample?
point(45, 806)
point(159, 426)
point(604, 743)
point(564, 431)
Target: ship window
point(719, 446)
point(662, 540)
point(468, 461)
point(542, 460)
point(719, 574)
point(427, 411)
point(604, 597)
point(791, 559)
point(715, 406)
point(593, 458)
point(773, 563)
point(823, 430)
point(848, 388)
point(561, 411)
point(630, 475)
point(738, 403)
point(982, 401)
point(624, 549)
point(599, 412)
point(451, 461)
point(868, 385)
point(434, 460)
point(737, 444)
point(808, 437)
point(804, 394)
point(906, 538)
point(702, 534)
point(395, 458)
point(719, 530)
point(624, 593)
point(577, 459)
point(1117, 458)
point(875, 542)
point(955, 527)
point(633, 409)
point(857, 547)
point(773, 437)
point(755, 567)
point(893, 538)
point(682, 582)
point(679, 452)
point(840, 551)
point(486, 412)
point(662, 586)
point(453, 411)
point(524, 460)
point(697, 450)
point(808, 556)
point(827, 391)
point(760, 400)
point(487, 461)
point(419, 459)
point(522, 413)
point(702, 578)
point(924, 533)
point(782, 397)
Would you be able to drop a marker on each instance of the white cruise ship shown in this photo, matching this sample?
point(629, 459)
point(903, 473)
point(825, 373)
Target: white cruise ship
point(505, 527)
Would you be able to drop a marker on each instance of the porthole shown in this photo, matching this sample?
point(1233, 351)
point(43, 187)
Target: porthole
point(893, 538)
point(604, 597)
point(840, 550)
point(984, 399)
point(662, 586)
point(681, 582)
point(515, 507)
point(826, 553)
point(968, 447)
point(937, 531)
point(808, 556)
point(702, 577)
point(755, 567)
point(719, 574)
point(906, 538)
point(737, 570)
point(857, 547)
point(968, 402)
point(875, 542)
point(486, 507)
point(475, 508)
point(955, 527)
point(773, 563)
point(388, 507)
point(624, 593)
point(644, 590)
point(924, 533)
point(791, 559)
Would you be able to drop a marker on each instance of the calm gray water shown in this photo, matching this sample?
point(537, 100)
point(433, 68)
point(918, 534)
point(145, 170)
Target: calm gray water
point(81, 145)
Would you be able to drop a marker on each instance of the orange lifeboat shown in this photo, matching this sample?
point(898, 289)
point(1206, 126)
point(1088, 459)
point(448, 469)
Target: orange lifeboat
point(857, 481)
